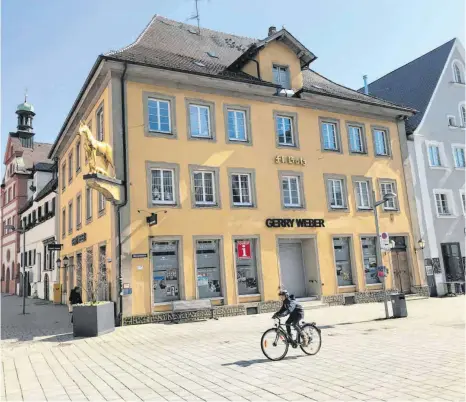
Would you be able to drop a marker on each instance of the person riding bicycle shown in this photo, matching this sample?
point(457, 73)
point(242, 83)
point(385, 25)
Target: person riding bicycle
point(292, 308)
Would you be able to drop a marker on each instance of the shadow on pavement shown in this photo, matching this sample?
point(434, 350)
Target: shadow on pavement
point(247, 363)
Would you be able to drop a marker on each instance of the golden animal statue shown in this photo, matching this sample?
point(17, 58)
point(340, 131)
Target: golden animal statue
point(94, 148)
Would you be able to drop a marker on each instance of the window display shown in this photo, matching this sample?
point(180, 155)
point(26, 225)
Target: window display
point(341, 248)
point(208, 269)
point(246, 266)
point(369, 259)
point(165, 263)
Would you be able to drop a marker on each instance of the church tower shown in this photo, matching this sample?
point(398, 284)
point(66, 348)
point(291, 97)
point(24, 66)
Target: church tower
point(25, 133)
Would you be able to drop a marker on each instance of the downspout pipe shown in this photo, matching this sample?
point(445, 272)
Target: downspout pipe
point(125, 193)
point(366, 87)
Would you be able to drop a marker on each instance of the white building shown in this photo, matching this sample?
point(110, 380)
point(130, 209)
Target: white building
point(434, 84)
point(38, 219)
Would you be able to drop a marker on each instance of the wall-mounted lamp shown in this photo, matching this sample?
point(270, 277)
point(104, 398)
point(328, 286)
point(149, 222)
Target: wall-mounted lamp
point(421, 245)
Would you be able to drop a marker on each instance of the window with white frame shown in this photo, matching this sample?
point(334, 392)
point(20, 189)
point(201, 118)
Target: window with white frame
point(199, 121)
point(100, 124)
point(159, 115)
point(101, 202)
point(63, 178)
point(387, 187)
point(78, 211)
point(335, 188)
point(458, 156)
point(163, 186)
point(78, 156)
point(381, 142)
point(463, 115)
point(434, 155)
point(442, 203)
point(70, 217)
point(285, 130)
point(281, 76)
point(458, 73)
point(70, 166)
point(355, 139)
point(463, 201)
point(63, 222)
point(329, 136)
point(204, 188)
point(241, 189)
point(88, 203)
point(363, 199)
point(291, 191)
point(237, 125)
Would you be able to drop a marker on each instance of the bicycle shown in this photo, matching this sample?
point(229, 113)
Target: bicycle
point(276, 341)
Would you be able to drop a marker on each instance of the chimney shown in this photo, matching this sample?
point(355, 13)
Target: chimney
point(366, 87)
point(272, 30)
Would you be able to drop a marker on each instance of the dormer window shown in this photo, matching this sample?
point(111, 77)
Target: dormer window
point(281, 76)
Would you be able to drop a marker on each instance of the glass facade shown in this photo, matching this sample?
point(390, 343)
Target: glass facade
point(341, 249)
point(369, 257)
point(165, 270)
point(209, 282)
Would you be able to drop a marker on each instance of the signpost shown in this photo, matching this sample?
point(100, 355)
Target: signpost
point(384, 241)
point(55, 247)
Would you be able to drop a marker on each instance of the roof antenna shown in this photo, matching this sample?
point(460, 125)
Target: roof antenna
point(197, 17)
point(25, 95)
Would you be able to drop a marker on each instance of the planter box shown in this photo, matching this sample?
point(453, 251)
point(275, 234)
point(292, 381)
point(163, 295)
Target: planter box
point(93, 320)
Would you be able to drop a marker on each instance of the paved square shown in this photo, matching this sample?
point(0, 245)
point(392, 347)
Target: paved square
point(421, 357)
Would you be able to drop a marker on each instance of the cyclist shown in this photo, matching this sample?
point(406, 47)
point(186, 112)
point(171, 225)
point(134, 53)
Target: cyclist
point(292, 308)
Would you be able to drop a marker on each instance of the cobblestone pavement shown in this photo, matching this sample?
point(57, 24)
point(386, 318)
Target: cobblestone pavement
point(420, 357)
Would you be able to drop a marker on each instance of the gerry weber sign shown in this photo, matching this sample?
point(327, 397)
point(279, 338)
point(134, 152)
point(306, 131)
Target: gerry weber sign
point(291, 223)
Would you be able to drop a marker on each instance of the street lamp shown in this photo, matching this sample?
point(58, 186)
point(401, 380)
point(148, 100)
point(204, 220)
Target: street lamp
point(23, 260)
point(422, 244)
point(386, 197)
point(58, 263)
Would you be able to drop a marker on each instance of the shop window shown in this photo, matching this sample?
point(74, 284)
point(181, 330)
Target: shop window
point(208, 269)
point(341, 249)
point(369, 257)
point(246, 266)
point(165, 270)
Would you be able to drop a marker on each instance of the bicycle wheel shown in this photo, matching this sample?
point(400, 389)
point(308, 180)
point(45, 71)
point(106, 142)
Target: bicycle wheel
point(274, 344)
point(312, 344)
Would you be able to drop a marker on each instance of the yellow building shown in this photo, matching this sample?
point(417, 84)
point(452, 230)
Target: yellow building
point(259, 170)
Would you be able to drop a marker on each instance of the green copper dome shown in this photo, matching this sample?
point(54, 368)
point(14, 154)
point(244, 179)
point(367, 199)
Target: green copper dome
point(27, 107)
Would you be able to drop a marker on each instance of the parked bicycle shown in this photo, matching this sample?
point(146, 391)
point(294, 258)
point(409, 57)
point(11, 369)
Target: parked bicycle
point(276, 341)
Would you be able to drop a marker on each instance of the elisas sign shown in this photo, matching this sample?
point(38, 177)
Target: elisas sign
point(291, 223)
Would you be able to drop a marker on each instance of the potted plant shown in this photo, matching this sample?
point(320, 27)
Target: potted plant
point(96, 316)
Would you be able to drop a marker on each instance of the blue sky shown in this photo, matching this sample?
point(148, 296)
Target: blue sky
point(49, 46)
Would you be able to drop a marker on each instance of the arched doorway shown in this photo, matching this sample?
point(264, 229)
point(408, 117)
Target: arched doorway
point(46, 287)
point(7, 280)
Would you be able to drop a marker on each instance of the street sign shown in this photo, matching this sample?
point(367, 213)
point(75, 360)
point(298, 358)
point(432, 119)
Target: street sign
point(152, 219)
point(244, 250)
point(384, 241)
point(55, 247)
